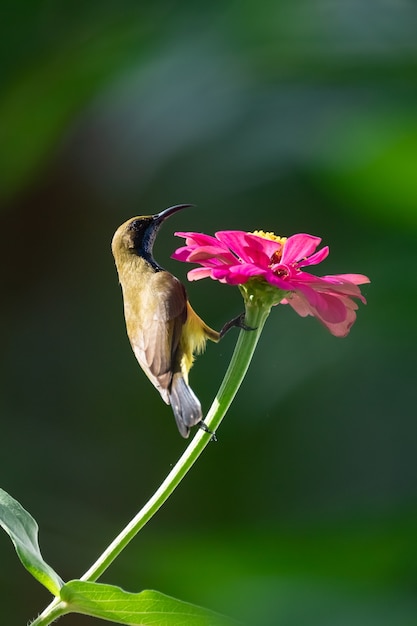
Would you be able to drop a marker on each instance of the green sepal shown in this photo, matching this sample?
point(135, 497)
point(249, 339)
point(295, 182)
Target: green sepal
point(258, 293)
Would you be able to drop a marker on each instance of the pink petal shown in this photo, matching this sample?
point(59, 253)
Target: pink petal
point(182, 254)
point(202, 253)
point(198, 239)
point(341, 329)
point(198, 273)
point(267, 246)
point(278, 281)
point(331, 309)
point(248, 247)
point(337, 328)
point(356, 279)
point(316, 258)
point(238, 274)
point(299, 304)
point(299, 246)
point(235, 240)
point(337, 284)
point(329, 284)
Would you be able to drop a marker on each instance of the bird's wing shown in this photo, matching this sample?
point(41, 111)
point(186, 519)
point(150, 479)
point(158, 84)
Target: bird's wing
point(156, 342)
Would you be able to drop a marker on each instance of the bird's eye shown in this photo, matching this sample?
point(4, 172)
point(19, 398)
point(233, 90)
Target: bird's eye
point(135, 225)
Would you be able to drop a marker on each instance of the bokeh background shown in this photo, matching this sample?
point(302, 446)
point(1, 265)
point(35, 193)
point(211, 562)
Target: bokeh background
point(291, 116)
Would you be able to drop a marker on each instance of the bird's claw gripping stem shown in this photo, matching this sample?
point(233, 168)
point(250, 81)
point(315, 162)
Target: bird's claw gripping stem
point(238, 321)
point(206, 429)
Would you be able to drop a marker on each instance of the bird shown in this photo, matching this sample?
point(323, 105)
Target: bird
point(163, 329)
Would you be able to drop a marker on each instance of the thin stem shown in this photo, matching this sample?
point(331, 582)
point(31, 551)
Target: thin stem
point(255, 319)
point(245, 347)
point(51, 613)
point(242, 355)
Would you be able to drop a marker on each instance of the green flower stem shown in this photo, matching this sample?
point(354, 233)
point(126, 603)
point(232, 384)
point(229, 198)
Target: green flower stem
point(245, 347)
point(56, 609)
point(256, 316)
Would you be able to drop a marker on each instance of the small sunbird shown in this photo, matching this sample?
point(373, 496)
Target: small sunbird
point(164, 330)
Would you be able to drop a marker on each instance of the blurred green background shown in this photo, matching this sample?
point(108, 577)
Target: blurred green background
point(291, 116)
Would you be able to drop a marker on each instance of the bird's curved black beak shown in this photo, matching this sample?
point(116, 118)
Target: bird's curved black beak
point(162, 216)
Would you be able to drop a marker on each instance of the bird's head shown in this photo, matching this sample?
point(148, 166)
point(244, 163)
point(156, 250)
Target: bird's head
point(137, 235)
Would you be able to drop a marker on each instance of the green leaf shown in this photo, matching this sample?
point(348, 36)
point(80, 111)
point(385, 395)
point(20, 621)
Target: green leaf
point(147, 608)
point(23, 531)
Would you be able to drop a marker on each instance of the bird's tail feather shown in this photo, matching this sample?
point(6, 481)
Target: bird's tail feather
point(185, 404)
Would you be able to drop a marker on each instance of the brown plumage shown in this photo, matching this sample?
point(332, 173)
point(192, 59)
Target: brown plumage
point(163, 329)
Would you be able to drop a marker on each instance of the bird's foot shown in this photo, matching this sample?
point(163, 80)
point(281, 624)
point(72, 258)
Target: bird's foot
point(239, 322)
point(206, 429)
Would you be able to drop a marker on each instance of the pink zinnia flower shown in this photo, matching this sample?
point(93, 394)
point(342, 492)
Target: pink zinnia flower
point(237, 257)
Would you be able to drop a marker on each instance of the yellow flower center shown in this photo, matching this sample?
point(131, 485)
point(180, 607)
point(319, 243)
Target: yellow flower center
point(270, 236)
